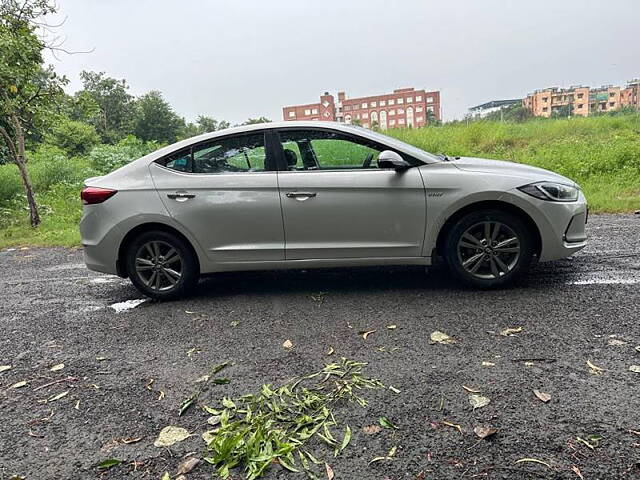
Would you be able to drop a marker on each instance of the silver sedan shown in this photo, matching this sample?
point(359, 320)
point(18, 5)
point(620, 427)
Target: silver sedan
point(315, 194)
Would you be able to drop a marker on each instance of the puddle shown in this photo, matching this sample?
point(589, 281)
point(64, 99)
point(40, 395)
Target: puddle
point(102, 280)
point(66, 266)
point(606, 281)
point(127, 305)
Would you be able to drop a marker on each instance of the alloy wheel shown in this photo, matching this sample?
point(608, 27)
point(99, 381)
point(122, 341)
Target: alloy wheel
point(488, 250)
point(158, 265)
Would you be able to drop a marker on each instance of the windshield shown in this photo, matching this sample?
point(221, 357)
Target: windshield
point(395, 143)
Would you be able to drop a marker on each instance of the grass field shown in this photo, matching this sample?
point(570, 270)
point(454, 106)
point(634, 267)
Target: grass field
point(601, 153)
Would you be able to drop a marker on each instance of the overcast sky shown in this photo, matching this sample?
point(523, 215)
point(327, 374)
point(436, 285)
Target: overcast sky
point(236, 59)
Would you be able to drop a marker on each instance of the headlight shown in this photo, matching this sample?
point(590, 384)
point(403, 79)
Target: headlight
point(555, 192)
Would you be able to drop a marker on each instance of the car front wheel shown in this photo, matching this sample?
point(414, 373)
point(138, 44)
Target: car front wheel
point(489, 248)
point(161, 265)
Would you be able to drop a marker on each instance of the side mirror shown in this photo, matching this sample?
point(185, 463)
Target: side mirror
point(391, 159)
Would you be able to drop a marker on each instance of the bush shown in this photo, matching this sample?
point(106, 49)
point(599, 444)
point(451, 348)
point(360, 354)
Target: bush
point(75, 138)
point(10, 184)
point(48, 166)
point(106, 158)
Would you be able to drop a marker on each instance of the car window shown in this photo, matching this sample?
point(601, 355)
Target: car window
point(180, 161)
point(325, 150)
point(243, 153)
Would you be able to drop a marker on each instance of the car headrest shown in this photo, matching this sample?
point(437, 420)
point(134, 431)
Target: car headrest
point(291, 157)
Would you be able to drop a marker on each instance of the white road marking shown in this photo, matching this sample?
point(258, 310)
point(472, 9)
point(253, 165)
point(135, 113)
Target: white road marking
point(127, 305)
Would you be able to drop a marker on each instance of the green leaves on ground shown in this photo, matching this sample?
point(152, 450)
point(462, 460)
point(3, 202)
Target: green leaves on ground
point(275, 425)
point(206, 379)
point(386, 423)
point(108, 463)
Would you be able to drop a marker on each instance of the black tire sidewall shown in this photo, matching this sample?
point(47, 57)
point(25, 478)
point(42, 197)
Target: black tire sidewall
point(512, 221)
point(189, 265)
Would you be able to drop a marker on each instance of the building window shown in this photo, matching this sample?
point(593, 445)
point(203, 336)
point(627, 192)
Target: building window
point(392, 102)
point(580, 105)
point(409, 99)
point(429, 109)
point(307, 112)
point(314, 111)
point(358, 116)
point(419, 119)
point(429, 99)
point(347, 108)
point(364, 105)
point(545, 99)
point(580, 95)
point(365, 115)
point(392, 112)
point(418, 98)
point(612, 104)
point(292, 114)
point(612, 94)
point(383, 103)
point(400, 101)
point(418, 109)
point(392, 122)
point(544, 109)
point(400, 111)
point(374, 104)
point(401, 121)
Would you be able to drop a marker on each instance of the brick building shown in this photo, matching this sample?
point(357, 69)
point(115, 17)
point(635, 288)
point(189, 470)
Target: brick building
point(581, 100)
point(405, 107)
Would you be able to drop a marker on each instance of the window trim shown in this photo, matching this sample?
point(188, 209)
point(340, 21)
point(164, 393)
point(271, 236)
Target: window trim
point(283, 167)
point(269, 153)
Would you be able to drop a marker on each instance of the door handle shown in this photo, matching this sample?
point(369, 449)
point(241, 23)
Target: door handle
point(301, 194)
point(180, 196)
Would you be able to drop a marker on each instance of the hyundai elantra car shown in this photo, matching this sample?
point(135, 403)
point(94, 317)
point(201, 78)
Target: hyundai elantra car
point(315, 194)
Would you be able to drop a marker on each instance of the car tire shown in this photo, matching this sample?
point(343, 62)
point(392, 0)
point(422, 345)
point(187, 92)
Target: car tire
point(489, 258)
point(162, 265)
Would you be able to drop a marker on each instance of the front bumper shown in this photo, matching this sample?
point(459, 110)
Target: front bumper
point(561, 224)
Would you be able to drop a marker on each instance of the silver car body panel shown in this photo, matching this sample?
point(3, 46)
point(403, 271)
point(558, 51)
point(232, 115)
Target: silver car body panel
point(245, 221)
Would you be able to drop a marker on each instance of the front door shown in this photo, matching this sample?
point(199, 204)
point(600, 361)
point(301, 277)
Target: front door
point(225, 193)
point(338, 204)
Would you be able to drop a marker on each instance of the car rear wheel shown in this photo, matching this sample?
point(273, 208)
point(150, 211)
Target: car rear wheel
point(161, 265)
point(489, 248)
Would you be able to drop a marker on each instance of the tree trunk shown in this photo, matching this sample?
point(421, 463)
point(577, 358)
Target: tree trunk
point(21, 162)
point(34, 216)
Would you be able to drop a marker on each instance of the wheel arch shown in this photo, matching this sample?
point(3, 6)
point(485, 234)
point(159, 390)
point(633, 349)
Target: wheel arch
point(484, 205)
point(147, 227)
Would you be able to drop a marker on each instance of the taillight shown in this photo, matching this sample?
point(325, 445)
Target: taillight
point(93, 195)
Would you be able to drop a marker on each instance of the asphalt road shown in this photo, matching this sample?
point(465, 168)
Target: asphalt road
point(54, 311)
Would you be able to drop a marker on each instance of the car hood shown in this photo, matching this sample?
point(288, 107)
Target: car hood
point(512, 169)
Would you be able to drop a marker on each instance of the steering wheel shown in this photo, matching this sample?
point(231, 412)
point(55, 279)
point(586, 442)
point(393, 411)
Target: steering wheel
point(367, 161)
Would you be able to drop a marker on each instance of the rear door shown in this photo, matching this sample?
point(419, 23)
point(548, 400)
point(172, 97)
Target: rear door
point(225, 193)
point(337, 203)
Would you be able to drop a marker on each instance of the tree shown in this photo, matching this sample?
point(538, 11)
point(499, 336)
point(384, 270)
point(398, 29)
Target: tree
point(154, 119)
point(252, 121)
point(28, 90)
point(209, 124)
point(116, 106)
point(203, 124)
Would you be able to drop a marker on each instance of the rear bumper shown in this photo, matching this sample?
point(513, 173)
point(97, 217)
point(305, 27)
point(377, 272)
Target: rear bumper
point(99, 242)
